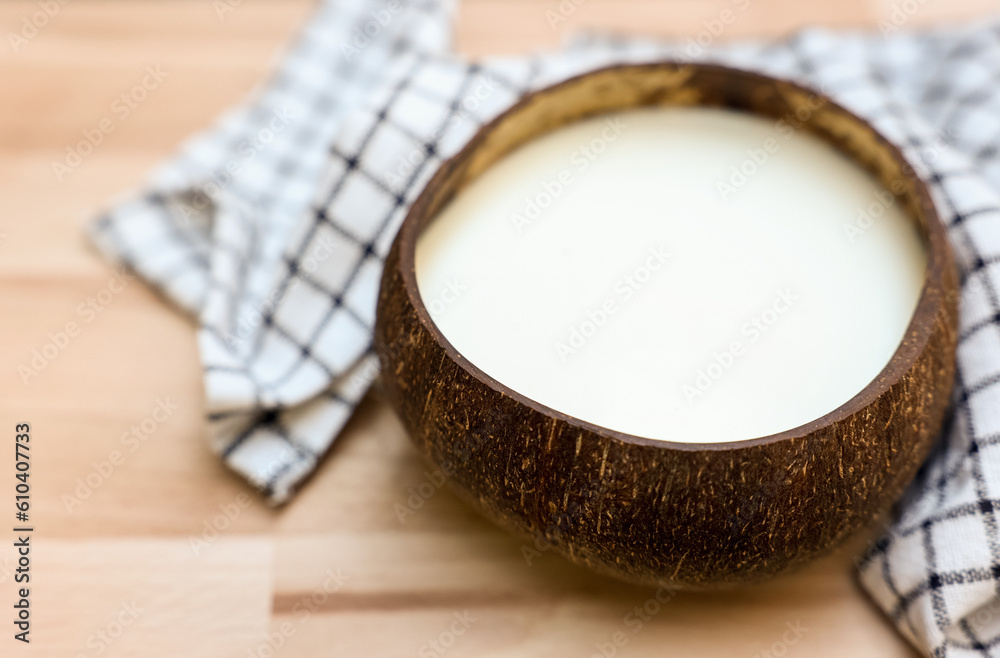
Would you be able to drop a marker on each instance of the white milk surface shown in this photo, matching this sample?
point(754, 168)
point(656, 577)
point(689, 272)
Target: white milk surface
point(623, 270)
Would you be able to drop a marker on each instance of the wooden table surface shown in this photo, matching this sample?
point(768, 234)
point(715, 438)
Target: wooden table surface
point(118, 572)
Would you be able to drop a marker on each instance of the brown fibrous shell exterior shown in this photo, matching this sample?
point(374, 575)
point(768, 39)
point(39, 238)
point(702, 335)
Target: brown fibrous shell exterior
point(685, 515)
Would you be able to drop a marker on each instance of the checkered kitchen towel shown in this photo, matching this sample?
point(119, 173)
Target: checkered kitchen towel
point(271, 228)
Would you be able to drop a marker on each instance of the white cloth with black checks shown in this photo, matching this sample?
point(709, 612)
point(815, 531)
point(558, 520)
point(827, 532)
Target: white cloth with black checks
point(270, 229)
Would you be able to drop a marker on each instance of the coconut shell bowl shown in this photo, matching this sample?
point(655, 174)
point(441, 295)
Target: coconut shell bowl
point(682, 514)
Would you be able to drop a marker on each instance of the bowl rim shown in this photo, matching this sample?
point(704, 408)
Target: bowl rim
point(918, 332)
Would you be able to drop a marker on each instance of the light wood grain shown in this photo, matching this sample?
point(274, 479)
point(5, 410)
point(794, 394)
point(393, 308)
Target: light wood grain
point(131, 539)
